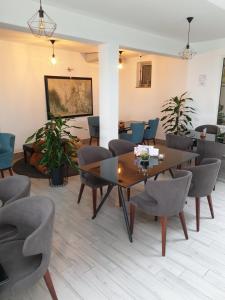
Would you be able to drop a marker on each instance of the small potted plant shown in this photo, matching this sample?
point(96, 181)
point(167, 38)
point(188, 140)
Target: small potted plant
point(56, 146)
point(144, 157)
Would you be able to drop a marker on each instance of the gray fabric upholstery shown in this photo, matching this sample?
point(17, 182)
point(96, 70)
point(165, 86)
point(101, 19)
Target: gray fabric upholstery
point(212, 129)
point(208, 149)
point(13, 188)
point(204, 177)
point(26, 258)
point(180, 142)
point(118, 147)
point(90, 154)
point(164, 197)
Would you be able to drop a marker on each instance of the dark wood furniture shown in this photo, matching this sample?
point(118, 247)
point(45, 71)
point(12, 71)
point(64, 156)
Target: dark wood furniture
point(125, 171)
point(27, 150)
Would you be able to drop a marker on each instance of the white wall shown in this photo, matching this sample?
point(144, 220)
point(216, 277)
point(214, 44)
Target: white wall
point(168, 79)
point(206, 96)
point(22, 93)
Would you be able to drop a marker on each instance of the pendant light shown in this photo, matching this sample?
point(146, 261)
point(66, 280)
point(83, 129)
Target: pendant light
point(41, 24)
point(120, 65)
point(188, 53)
point(53, 58)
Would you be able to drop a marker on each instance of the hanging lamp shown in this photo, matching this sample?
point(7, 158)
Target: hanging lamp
point(188, 53)
point(53, 58)
point(41, 24)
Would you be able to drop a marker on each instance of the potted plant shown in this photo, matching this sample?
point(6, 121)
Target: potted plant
point(56, 144)
point(177, 115)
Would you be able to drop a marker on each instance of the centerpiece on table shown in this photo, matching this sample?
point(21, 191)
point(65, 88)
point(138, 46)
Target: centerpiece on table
point(57, 148)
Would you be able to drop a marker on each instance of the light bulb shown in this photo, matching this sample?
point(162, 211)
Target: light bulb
point(120, 66)
point(53, 60)
point(41, 24)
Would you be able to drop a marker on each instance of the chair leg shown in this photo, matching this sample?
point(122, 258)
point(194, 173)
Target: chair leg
point(132, 216)
point(10, 171)
point(128, 194)
point(97, 141)
point(210, 205)
point(154, 141)
point(155, 218)
point(50, 286)
point(197, 205)
point(183, 223)
point(163, 221)
point(2, 173)
point(80, 192)
point(101, 191)
point(94, 198)
point(90, 140)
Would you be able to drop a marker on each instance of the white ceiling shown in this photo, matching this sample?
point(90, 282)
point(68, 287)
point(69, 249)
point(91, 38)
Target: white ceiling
point(163, 17)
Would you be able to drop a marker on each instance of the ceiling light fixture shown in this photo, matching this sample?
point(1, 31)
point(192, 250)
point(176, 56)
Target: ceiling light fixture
point(41, 24)
point(188, 53)
point(120, 65)
point(53, 58)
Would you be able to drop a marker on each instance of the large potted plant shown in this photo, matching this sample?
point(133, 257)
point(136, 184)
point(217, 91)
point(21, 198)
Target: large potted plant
point(177, 115)
point(56, 144)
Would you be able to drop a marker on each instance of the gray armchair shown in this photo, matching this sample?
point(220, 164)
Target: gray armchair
point(180, 142)
point(163, 198)
point(12, 189)
point(212, 129)
point(208, 149)
point(203, 181)
point(119, 147)
point(26, 257)
point(87, 155)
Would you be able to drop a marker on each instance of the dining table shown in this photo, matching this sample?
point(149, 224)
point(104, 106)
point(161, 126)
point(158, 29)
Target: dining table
point(127, 170)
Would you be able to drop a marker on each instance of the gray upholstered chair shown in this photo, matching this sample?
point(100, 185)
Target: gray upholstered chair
point(119, 147)
point(87, 155)
point(93, 124)
point(212, 129)
point(26, 258)
point(180, 142)
point(203, 181)
point(163, 198)
point(12, 189)
point(208, 149)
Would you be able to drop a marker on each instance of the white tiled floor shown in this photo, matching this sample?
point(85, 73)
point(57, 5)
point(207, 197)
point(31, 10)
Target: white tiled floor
point(95, 260)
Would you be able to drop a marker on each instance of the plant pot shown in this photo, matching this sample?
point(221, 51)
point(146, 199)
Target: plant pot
point(57, 176)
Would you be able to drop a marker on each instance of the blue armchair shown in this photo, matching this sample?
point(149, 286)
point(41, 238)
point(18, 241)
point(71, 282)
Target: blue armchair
point(7, 142)
point(137, 134)
point(150, 131)
point(93, 124)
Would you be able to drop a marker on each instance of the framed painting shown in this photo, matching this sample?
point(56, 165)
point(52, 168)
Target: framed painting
point(68, 97)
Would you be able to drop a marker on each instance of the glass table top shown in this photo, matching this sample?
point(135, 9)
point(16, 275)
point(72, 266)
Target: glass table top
point(127, 169)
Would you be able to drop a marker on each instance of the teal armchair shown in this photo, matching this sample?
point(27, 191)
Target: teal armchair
point(137, 133)
point(151, 130)
point(7, 141)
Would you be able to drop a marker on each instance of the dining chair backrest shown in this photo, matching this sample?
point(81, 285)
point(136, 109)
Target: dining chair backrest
point(151, 130)
point(204, 177)
point(180, 142)
point(137, 129)
point(33, 217)
point(170, 194)
point(212, 129)
point(7, 141)
point(13, 188)
point(90, 154)
point(118, 147)
point(93, 124)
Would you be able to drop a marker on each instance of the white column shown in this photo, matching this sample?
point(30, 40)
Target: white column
point(108, 92)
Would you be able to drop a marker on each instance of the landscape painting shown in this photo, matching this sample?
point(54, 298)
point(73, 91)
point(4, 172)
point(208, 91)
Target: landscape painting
point(68, 97)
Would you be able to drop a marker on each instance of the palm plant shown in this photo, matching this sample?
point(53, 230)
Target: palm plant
point(54, 139)
point(177, 119)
